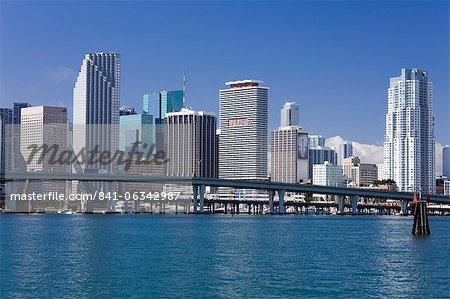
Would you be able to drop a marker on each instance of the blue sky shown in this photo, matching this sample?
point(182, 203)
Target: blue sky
point(333, 58)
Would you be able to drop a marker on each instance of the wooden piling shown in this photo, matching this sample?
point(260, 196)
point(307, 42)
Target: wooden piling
point(420, 225)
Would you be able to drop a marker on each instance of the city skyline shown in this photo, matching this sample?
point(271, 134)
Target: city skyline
point(368, 153)
point(295, 76)
point(204, 149)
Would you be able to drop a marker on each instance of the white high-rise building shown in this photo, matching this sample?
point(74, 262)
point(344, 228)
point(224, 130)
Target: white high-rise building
point(327, 174)
point(44, 128)
point(243, 130)
point(381, 175)
point(289, 155)
point(348, 164)
point(409, 146)
point(96, 99)
point(290, 115)
point(43, 125)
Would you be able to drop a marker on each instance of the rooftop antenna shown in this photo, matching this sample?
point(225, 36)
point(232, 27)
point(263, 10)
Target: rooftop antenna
point(184, 89)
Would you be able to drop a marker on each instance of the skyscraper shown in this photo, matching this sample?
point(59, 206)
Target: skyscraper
point(16, 159)
point(409, 146)
point(316, 141)
point(446, 161)
point(171, 101)
point(152, 104)
point(290, 114)
point(320, 155)
point(136, 128)
point(289, 155)
point(17, 111)
point(190, 141)
point(158, 104)
point(345, 151)
point(43, 125)
point(96, 98)
point(16, 117)
point(243, 130)
point(5, 137)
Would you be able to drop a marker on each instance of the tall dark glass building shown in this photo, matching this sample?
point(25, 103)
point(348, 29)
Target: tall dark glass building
point(5, 136)
point(158, 104)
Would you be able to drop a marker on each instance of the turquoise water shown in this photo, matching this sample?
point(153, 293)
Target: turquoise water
point(110, 256)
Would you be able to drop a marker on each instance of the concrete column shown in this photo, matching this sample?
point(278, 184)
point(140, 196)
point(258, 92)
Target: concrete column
point(202, 198)
point(404, 207)
point(341, 203)
point(281, 209)
point(271, 195)
point(194, 193)
point(354, 200)
point(13, 188)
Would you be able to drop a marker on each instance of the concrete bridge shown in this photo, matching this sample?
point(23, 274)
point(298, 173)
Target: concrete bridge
point(199, 184)
point(256, 207)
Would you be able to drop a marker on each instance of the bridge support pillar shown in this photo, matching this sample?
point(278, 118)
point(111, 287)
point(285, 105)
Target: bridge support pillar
point(195, 193)
point(202, 197)
point(404, 207)
point(13, 188)
point(341, 204)
point(111, 204)
point(354, 201)
point(281, 209)
point(271, 196)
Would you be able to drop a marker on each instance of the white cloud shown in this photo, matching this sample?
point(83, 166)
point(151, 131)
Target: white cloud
point(334, 142)
point(368, 153)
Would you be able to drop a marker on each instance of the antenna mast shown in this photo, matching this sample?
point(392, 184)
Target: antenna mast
point(184, 88)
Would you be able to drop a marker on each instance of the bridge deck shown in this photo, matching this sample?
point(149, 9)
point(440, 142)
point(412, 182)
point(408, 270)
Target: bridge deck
point(215, 182)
